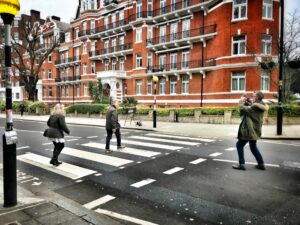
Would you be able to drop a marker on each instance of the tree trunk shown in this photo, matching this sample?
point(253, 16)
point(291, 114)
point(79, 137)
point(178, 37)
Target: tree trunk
point(31, 96)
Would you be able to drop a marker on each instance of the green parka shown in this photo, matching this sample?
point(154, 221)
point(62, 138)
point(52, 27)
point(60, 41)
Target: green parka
point(252, 120)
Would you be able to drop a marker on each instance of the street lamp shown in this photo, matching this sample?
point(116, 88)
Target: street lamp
point(155, 80)
point(8, 10)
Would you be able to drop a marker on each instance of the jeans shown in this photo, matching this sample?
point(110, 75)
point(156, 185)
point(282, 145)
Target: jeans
point(109, 136)
point(240, 149)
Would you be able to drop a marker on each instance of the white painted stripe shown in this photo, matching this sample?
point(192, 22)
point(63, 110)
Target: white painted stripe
point(92, 137)
point(142, 183)
point(197, 161)
point(280, 143)
point(250, 163)
point(65, 169)
point(99, 201)
point(72, 140)
point(230, 149)
point(181, 137)
point(152, 145)
point(132, 151)
point(49, 143)
point(96, 157)
point(172, 171)
point(73, 137)
point(215, 154)
point(124, 217)
point(164, 140)
point(23, 147)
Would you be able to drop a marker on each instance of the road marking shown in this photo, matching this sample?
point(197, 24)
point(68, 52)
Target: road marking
point(124, 217)
point(230, 149)
point(142, 183)
point(167, 147)
point(72, 140)
point(181, 137)
point(96, 157)
point(65, 169)
point(172, 171)
point(99, 201)
point(250, 163)
point(98, 174)
point(215, 154)
point(280, 143)
point(127, 150)
point(23, 147)
point(48, 143)
point(197, 161)
point(164, 140)
point(92, 137)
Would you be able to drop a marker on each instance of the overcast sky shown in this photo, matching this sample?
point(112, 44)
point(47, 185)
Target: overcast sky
point(66, 9)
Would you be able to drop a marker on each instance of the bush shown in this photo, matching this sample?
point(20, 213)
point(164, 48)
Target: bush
point(186, 111)
point(213, 111)
point(32, 106)
point(288, 110)
point(163, 112)
point(129, 102)
point(2, 105)
point(88, 108)
point(143, 111)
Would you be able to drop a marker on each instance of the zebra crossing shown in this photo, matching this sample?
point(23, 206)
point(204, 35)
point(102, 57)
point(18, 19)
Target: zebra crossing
point(138, 149)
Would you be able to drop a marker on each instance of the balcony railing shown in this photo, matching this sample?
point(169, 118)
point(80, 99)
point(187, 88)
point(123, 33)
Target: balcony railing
point(69, 78)
point(113, 49)
point(184, 65)
point(182, 35)
point(68, 60)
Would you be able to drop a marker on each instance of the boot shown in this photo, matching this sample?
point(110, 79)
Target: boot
point(58, 153)
point(54, 160)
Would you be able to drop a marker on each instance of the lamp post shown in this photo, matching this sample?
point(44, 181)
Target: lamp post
point(155, 80)
point(8, 10)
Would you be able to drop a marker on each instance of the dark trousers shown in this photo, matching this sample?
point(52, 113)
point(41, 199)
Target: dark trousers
point(58, 147)
point(109, 136)
point(240, 149)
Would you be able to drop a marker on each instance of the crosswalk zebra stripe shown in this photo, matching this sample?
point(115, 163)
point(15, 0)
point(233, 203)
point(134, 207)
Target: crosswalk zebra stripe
point(215, 154)
point(127, 150)
point(96, 157)
point(142, 183)
point(124, 217)
point(172, 171)
point(230, 149)
point(164, 140)
point(92, 137)
point(197, 161)
point(99, 201)
point(23, 147)
point(152, 145)
point(181, 137)
point(65, 169)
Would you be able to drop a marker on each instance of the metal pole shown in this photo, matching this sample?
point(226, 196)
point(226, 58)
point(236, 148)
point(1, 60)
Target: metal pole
point(279, 107)
point(154, 108)
point(9, 148)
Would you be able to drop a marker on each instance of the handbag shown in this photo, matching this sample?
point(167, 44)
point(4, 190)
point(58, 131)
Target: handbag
point(45, 133)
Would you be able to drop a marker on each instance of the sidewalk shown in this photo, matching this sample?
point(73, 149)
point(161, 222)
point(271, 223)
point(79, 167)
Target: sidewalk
point(289, 132)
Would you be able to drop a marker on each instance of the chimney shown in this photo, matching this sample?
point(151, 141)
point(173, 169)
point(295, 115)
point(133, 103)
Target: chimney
point(36, 15)
point(55, 18)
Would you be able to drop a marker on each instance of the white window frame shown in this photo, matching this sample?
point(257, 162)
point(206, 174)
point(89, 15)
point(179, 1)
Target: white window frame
point(150, 8)
point(114, 20)
point(83, 47)
point(186, 24)
point(162, 6)
point(106, 65)
point(76, 33)
point(138, 37)
point(85, 90)
point(84, 27)
point(173, 85)
point(49, 74)
point(84, 68)
point(174, 31)
point(185, 83)
point(106, 46)
point(162, 62)
point(265, 81)
point(241, 44)
point(106, 22)
point(121, 18)
point(173, 61)
point(138, 87)
point(139, 61)
point(139, 9)
point(113, 65)
point(185, 60)
point(149, 59)
point(239, 76)
point(149, 87)
point(77, 53)
point(93, 27)
point(266, 44)
point(93, 68)
point(173, 5)
point(114, 45)
point(50, 92)
point(149, 35)
point(239, 7)
point(162, 34)
point(122, 64)
point(77, 71)
point(162, 86)
point(267, 10)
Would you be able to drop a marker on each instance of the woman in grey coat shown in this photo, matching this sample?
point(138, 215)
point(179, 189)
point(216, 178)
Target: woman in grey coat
point(55, 132)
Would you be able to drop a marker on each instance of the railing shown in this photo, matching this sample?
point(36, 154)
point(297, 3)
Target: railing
point(113, 49)
point(70, 78)
point(182, 35)
point(181, 65)
point(68, 60)
point(140, 15)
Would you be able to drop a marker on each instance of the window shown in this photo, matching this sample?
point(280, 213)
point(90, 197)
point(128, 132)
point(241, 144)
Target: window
point(121, 43)
point(162, 62)
point(149, 87)
point(174, 31)
point(93, 4)
point(239, 45)
point(67, 37)
point(114, 65)
point(265, 81)
point(121, 18)
point(106, 22)
point(139, 60)
point(138, 35)
point(113, 20)
point(266, 44)
point(139, 9)
point(17, 95)
point(67, 91)
point(173, 84)
point(138, 87)
point(85, 90)
point(113, 45)
point(185, 60)
point(50, 58)
point(84, 68)
point(173, 5)
point(150, 8)
point(93, 48)
point(162, 86)
point(84, 28)
point(106, 46)
point(173, 60)
point(149, 35)
point(238, 81)
point(267, 9)
point(78, 91)
point(185, 85)
point(162, 7)
point(77, 57)
point(239, 9)
point(67, 72)
point(76, 33)
point(50, 92)
point(106, 65)
point(84, 47)
point(149, 61)
point(77, 70)
point(50, 74)
point(122, 64)
point(162, 34)
point(93, 26)
point(186, 28)
point(93, 68)
point(17, 72)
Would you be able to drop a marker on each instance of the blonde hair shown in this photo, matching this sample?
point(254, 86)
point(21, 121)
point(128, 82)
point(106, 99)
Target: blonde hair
point(58, 110)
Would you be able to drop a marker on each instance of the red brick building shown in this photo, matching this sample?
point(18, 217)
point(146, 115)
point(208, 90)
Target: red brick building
point(204, 52)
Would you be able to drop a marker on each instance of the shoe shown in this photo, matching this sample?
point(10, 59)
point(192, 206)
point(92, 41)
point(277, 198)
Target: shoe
point(239, 167)
point(58, 162)
point(107, 151)
point(54, 162)
point(260, 167)
point(120, 147)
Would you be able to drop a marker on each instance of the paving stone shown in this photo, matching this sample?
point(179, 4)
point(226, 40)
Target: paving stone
point(31, 222)
point(41, 210)
point(57, 217)
point(77, 221)
point(13, 217)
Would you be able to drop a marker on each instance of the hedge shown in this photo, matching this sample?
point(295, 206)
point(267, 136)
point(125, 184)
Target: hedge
point(32, 106)
point(288, 110)
point(87, 108)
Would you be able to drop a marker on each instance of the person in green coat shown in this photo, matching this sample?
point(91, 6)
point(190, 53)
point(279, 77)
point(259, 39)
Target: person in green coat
point(250, 129)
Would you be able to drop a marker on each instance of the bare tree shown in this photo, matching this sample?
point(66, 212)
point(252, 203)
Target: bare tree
point(30, 52)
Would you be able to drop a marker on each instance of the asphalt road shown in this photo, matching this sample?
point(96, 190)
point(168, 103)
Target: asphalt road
point(163, 179)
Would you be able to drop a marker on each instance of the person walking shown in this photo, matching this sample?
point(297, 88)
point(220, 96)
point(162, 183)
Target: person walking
point(55, 132)
point(22, 109)
point(250, 129)
point(113, 126)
